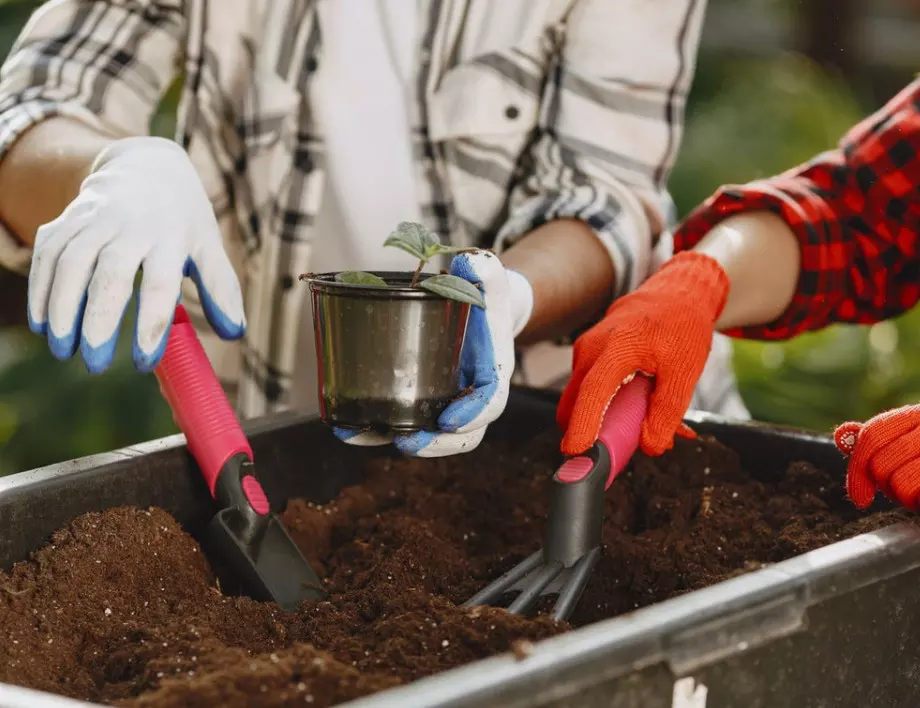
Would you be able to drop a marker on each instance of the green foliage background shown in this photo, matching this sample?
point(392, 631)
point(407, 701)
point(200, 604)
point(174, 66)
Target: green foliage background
point(747, 118)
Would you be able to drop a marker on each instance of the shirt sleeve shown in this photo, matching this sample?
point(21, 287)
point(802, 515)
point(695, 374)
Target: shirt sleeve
point(856, 214)
point(106, 63)
point(611, 127)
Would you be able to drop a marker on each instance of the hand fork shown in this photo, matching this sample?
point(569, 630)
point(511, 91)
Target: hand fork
point(573, 539)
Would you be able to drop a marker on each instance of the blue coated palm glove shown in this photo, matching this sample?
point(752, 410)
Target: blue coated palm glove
point(143, 208)
point(486, 362)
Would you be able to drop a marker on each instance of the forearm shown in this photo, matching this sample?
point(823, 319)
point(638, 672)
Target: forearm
point(571, 274)
point(761, 256)
point(43, 171)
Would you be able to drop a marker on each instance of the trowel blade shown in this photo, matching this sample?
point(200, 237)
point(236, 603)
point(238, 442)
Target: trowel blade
point(263, 560)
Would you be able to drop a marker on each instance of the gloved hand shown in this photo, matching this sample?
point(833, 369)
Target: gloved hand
point(884, 455)
point(142, 207)
point(486, 362)
point(664, 330)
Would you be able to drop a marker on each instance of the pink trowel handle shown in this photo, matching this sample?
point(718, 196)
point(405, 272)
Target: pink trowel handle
point(202, 411)
point(620, 432)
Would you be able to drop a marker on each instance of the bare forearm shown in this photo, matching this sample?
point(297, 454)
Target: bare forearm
point(761, 256)
point(43, 171)
point(571, 274)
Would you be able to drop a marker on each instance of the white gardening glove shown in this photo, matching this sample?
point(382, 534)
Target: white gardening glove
point(486, 363)
point(142, 207)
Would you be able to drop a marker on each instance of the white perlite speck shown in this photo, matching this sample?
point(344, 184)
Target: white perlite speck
point(689, 694)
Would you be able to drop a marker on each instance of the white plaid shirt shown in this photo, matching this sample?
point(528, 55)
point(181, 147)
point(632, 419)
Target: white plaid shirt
point(527, 111)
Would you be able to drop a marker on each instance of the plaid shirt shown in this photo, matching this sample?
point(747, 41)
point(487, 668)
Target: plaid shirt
point(527, 111)
point(856, 214)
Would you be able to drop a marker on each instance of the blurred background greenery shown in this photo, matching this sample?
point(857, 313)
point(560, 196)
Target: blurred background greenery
point(777, 82)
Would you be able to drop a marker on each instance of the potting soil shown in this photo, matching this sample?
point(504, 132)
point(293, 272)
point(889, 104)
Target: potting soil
point(121, 607)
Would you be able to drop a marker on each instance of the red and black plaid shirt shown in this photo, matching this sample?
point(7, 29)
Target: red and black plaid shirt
point(856, 214)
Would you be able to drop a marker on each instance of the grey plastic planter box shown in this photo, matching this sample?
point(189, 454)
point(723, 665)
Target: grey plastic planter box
point(837, 627)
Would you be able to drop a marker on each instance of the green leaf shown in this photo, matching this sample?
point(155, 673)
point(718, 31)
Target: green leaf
point(414, 239)
point(357, 277)
point(452, 250)
point(434, 247)
point(453, 288)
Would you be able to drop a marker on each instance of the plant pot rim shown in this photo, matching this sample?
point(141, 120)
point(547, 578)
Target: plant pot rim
point(402, 290)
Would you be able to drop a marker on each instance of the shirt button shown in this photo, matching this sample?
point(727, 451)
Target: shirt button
point(512, 112)
point(311, 64)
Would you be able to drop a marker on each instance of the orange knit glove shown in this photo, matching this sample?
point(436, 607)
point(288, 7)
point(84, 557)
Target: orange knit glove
point(884, 455)
point(664, 329)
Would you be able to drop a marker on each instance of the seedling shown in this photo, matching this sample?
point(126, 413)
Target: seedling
point(388, 354)
point(423, 244)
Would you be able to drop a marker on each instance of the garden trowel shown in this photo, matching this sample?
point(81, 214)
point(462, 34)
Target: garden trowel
point(245, 536)
point(573, 540)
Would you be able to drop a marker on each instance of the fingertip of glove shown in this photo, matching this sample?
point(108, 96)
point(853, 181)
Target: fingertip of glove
point(146, 365)
point(225, 327)
point(574, 445)
point(579, 437)
point(413, 444)
point(468, 407)
point(146, 362)
point(454, 417)
point(477, 266)
point(462, 267)
point(652, 450)
point(845, 436)
point(232, 332)
point(861, 503)
point(654, 444)
point(860, 490)
point(915, 503)
point(39, 328)
point(98, 359)
point(345, 434)
point(62, 348)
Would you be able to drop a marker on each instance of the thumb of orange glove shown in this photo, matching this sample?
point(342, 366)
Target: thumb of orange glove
point(884, 456)
point(664, 329)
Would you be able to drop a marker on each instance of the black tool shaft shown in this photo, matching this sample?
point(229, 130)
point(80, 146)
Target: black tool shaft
point(576, 513)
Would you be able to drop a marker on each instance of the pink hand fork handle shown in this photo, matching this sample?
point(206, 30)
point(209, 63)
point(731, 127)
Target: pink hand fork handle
point(620, 432)
point(245, 536)
point(572, 544)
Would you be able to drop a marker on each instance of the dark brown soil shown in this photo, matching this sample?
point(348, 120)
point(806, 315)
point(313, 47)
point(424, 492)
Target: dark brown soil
point(121, 607)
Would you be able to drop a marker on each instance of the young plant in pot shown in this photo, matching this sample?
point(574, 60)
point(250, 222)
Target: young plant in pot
point(389, 344)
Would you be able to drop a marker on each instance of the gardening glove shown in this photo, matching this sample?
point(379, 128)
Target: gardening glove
point(142, 207)
point(664, 330)
point(486, 362)
point(884, 455)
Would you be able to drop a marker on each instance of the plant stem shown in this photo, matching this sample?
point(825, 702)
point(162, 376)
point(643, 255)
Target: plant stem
point(418, 272)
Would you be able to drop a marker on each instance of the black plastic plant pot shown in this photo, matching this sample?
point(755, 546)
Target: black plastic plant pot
point(388, 358)
point(836, 627)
